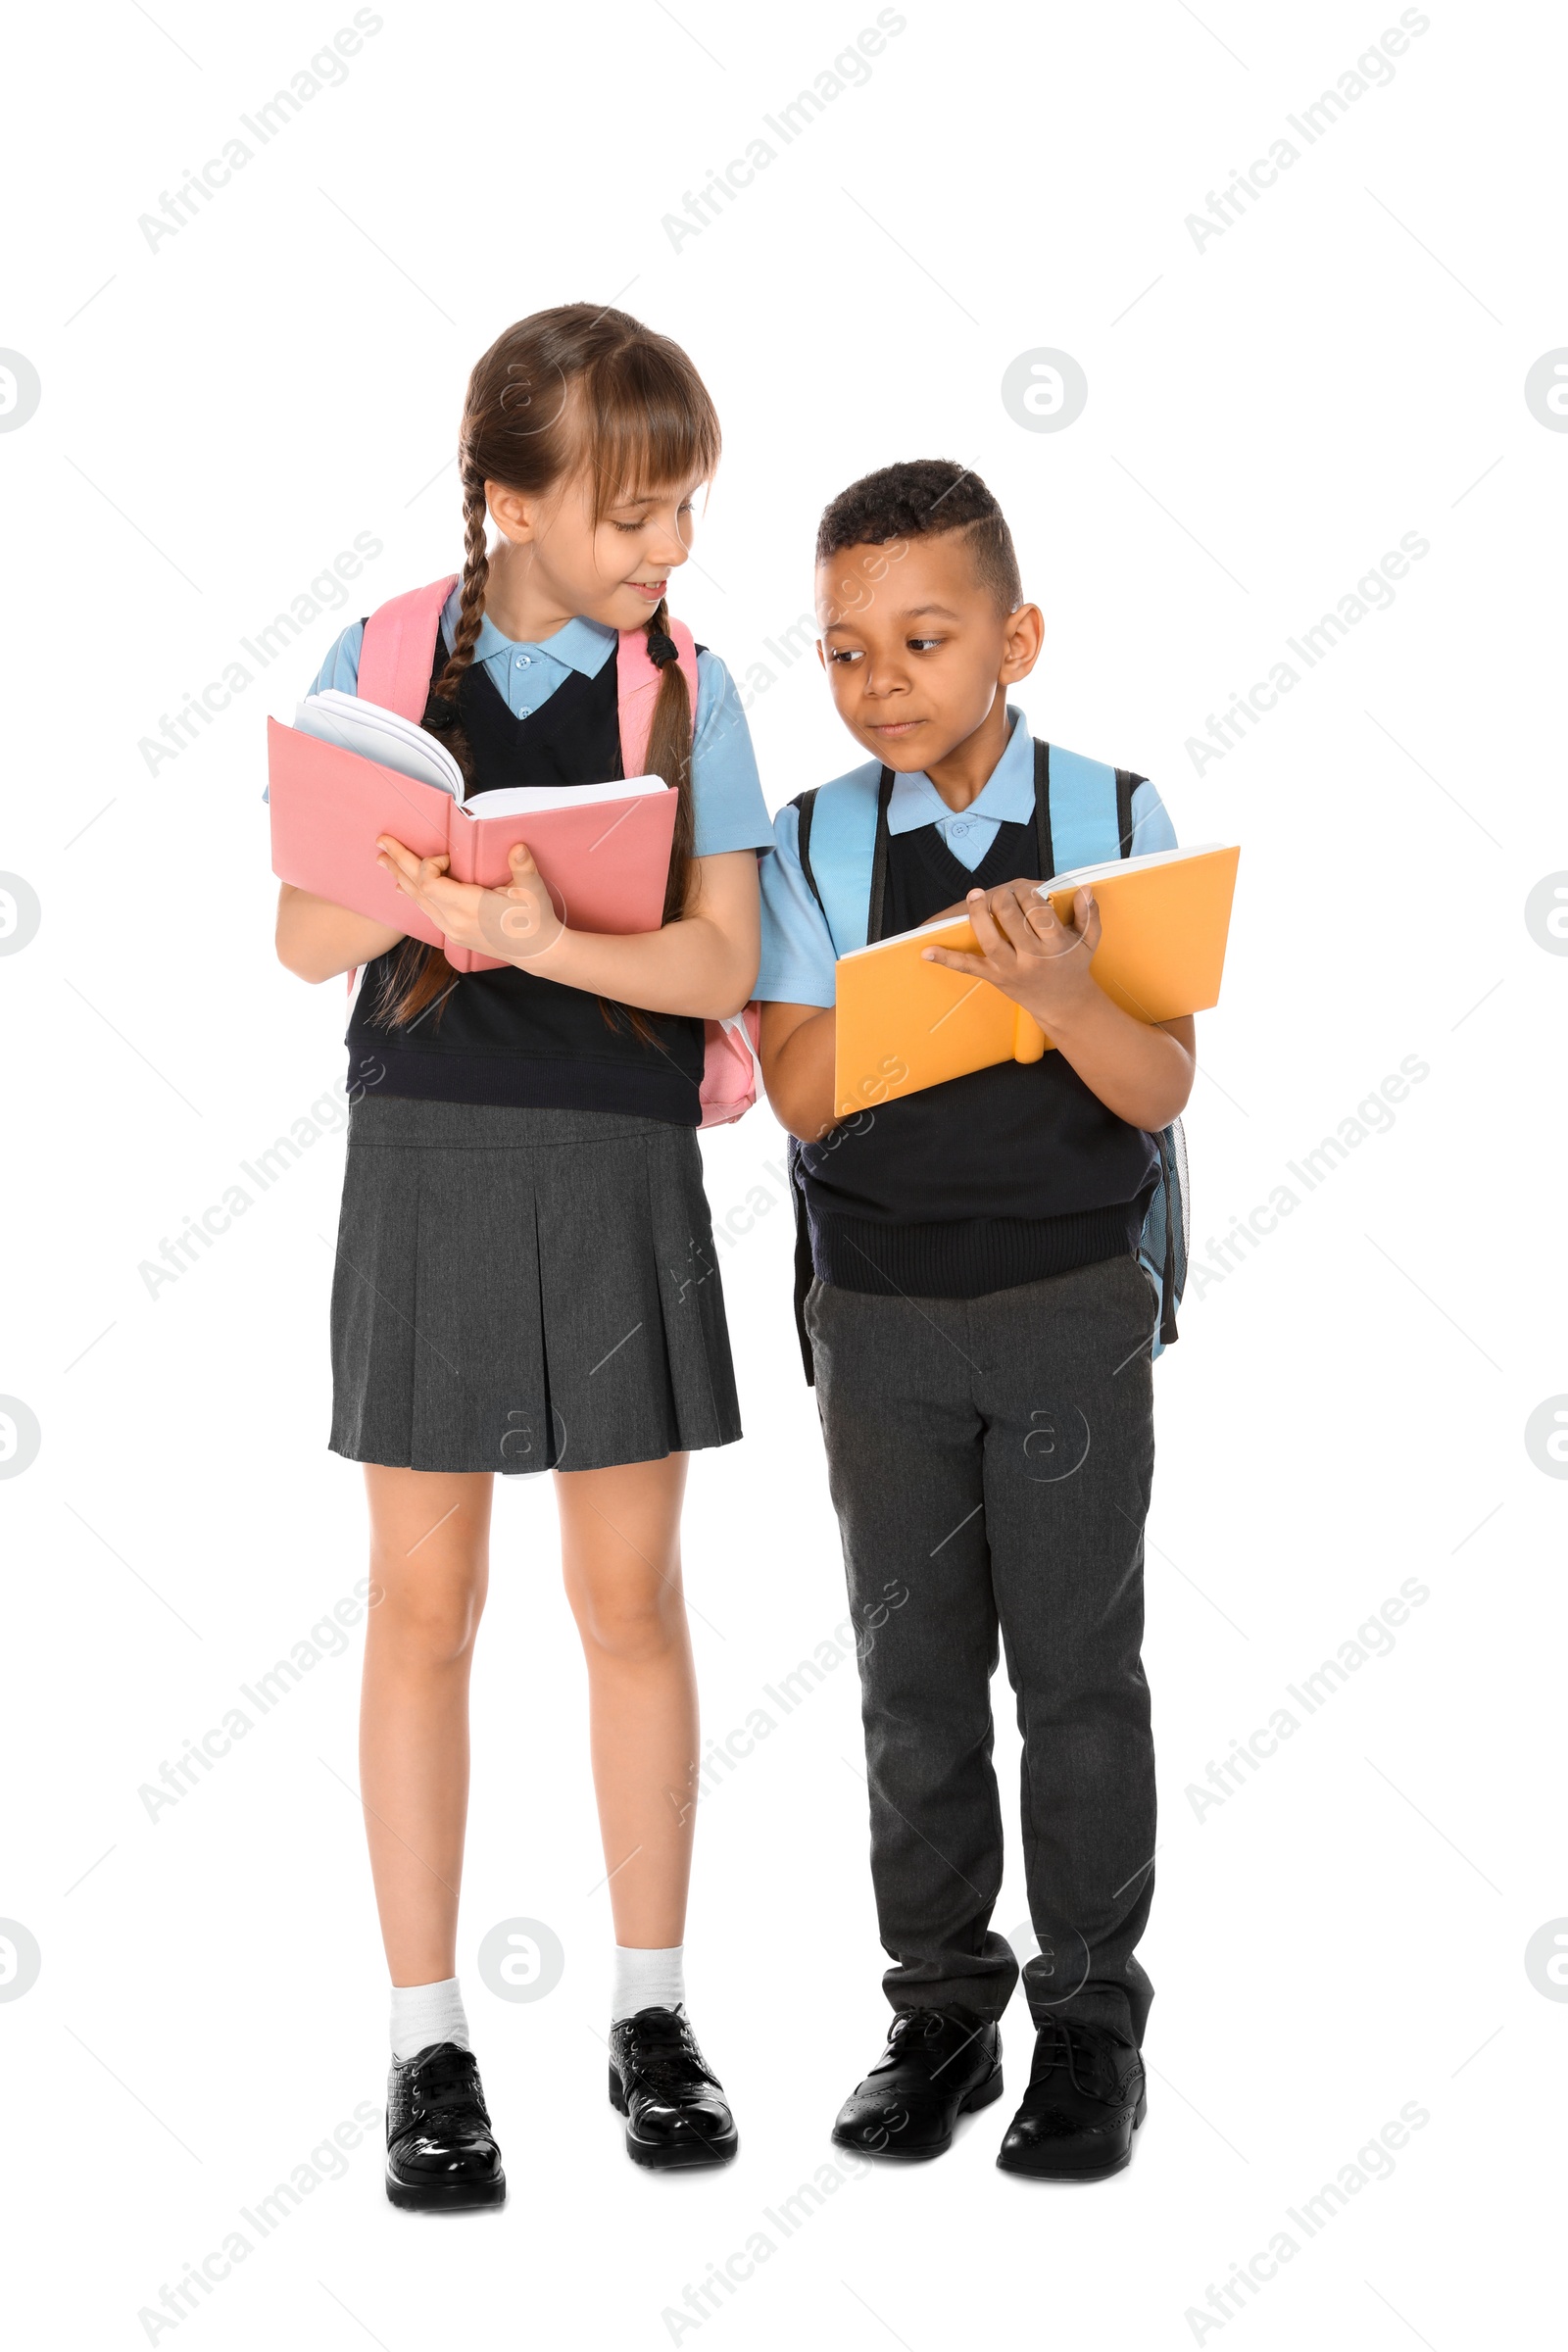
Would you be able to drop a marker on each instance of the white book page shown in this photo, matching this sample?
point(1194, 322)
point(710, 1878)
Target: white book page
point(520, 799)
point(1075, 879)
point(1078, 875)
point(375, 733)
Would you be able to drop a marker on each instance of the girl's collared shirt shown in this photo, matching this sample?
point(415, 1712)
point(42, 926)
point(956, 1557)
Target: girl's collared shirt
point(727, 792)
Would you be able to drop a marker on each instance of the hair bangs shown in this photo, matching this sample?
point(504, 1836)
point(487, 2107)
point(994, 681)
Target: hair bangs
point(646, 420)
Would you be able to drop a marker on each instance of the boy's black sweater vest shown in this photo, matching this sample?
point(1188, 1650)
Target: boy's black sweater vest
point(510, 1037)
point(997, 1178)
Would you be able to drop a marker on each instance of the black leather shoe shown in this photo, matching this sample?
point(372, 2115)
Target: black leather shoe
point(440, 2154)
point(939, 2064)
point(1085, 2100)
point(675, 2105)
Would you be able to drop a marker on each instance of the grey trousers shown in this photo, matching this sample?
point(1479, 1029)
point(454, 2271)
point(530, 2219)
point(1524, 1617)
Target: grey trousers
point(990, 1462)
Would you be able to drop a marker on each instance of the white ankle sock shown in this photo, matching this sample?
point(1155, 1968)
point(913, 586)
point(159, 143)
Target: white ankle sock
point(425, 2013)
point(647, 1980)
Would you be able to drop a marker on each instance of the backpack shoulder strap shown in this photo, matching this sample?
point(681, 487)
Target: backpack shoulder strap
point(804, 804)
point(637, 689)
point(1090, 822)
point(876, 897)
point(1046, 859)
point(399, 649)
point(837, 844)
point(1126, 784)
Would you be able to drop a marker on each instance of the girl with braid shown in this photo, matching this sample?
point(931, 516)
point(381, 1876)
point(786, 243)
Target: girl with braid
point(524, 1278)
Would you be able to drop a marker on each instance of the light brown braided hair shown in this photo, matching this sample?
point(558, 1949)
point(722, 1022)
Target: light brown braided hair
point(577, 387)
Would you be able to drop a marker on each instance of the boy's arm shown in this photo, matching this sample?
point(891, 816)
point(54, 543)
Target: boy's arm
point(1142, 1073)
point(796, 987)
point(797, 1055)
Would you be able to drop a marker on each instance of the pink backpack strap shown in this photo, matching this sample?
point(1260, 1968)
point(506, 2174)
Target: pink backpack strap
point(399, 649)
point(637, 688)
point(730, 1064)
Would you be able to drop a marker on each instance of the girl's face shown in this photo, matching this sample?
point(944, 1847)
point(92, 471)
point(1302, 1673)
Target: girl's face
point(614, 570)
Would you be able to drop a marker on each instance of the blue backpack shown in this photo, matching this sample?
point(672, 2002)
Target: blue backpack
point(1083, 817)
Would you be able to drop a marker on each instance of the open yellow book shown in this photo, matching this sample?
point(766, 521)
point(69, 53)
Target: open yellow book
point(902, 1024)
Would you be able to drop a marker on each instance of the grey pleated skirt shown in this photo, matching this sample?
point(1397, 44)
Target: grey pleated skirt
point(524, 1290)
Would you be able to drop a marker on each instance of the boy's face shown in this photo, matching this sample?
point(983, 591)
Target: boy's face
point(916, 648)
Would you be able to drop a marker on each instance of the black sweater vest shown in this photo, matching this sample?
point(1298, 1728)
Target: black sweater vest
point(511, 1037)
point(997, 1178)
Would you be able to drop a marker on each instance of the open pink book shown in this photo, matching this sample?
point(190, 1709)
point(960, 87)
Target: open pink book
point(602, 849)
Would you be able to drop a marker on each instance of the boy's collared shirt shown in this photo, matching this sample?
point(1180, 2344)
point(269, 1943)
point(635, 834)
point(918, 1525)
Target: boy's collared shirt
point(798, 953)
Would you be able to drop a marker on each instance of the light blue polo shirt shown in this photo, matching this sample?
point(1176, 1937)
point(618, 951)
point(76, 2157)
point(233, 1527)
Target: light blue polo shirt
point(728, 801)
point(798, 956)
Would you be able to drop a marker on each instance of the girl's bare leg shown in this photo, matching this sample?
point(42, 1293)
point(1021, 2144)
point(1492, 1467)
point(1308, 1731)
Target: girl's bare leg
point(430, 1563)
point(621, 1552)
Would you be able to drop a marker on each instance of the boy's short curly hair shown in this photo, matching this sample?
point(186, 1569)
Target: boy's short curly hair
point(921, 499)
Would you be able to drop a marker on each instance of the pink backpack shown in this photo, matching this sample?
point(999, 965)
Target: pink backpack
point(395, 663)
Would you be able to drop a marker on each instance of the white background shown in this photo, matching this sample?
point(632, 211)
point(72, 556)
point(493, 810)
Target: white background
point(1267, 415)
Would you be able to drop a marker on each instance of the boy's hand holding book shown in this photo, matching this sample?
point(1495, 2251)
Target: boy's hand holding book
point(1029, 954)
point(1104, 963)
point(1042, 962)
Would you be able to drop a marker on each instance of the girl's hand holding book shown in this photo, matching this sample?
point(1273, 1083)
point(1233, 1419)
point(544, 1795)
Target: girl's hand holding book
point(516, 924)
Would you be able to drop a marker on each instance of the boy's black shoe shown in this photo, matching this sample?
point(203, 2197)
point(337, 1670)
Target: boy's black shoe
point(440, 2152)
point(673, 2102)
point(939, 2064)
point(1085, 2100)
